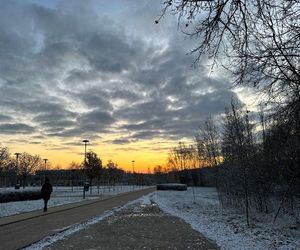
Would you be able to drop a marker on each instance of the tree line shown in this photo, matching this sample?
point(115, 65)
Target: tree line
point(20, 170)
point(254, 157)
point(15, 170)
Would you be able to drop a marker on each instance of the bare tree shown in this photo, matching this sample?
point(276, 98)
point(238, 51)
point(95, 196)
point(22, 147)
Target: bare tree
point(4, 156)
point(75, 165)
point(114, 174)
point(27, 165)
point(182, 158)
point(259, 41)
point(280, 151)
point(160, 174)
point(6, 170)
point(238, 151)
point(208, 146)
point(76, 171)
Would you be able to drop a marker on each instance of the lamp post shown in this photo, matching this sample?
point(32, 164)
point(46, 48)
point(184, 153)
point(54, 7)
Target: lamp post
point(85, 143)
point(45, 160)
point(133, 173)
point(17, 166)
point(133, 166)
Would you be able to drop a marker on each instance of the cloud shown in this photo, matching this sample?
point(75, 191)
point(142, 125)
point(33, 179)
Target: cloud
point(87, 124)
point(16, 128)
point(5, 118)
point(120, 141)
point(73, 70)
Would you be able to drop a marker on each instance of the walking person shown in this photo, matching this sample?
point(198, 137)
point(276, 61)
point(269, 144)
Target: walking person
point(46, 192)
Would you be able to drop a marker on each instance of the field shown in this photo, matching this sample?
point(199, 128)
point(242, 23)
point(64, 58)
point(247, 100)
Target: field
point(227, 227)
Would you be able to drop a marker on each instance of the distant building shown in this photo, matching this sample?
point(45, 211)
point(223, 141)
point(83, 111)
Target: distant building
point(62, 177)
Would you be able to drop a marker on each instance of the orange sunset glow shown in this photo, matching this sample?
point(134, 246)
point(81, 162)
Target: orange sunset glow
point(145, 154)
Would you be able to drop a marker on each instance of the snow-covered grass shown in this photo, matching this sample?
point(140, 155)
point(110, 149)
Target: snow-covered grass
point(227, 227)
point(76, 190)
point(60, 196)
point(17, 207)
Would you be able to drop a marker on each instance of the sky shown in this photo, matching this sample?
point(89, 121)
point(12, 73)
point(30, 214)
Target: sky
point(103, 71)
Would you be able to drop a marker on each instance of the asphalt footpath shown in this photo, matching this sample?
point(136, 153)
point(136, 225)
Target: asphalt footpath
point(25, 229)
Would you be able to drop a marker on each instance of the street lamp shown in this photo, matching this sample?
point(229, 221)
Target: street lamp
point(133, 173)
point(45, 160)
point(17, 155)
point(85, 143)
point(17, 165)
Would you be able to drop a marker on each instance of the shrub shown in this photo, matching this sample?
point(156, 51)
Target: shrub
point(20, 196)
point(172, 186)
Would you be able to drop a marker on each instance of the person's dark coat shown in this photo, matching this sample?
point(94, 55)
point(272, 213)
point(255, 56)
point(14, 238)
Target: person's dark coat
point(46, 190)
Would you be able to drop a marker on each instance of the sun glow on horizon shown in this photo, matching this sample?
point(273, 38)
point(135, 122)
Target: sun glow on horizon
point(146, 154)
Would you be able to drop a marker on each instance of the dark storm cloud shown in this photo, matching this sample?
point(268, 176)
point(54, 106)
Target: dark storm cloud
point(55, 120)
point(151, 124)
point(125, 95)
point(146, 134)
point(58, 148)
point(38, 137)
point(73, 71)
point(35, 142)
point(80, 143)
point(77, 76)
point(155, 118)
point(101, 52)
point(16, 128)
point(92, 122)
point(5, 118)
point(96, 119)
point(95, 97)
point(120, 141)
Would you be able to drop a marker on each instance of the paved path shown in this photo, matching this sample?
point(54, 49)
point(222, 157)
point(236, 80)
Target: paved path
point(137, 226)
point(19, 231)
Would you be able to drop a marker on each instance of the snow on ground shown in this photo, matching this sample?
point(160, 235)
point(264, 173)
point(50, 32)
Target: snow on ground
point(77, 190)
point(17, 207)
point(226, 227)
point(60, 196)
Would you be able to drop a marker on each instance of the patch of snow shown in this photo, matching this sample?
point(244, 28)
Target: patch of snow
point(145, 200)
point(60, 196)
point(227, 227)
point(17, 207)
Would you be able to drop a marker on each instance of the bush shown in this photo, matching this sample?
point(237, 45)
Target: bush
point(20, 196)
point(172, 186)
